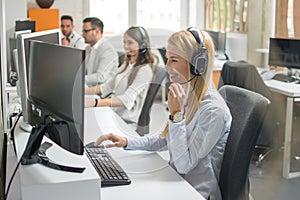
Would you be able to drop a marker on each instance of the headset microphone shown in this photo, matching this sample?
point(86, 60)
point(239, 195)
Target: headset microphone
point(183, 83)
point(187, 81)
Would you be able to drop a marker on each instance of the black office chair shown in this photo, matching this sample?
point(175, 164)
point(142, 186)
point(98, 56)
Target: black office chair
point(162, 52)
point(144, 119)
point(121, 57)
point(245, 75)
point(3, 155)
point(248, 111)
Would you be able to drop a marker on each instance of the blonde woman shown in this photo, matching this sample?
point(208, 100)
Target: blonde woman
point(200, 120)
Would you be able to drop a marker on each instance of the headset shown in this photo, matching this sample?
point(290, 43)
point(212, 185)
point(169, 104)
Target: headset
point(143, 45)
point(199, 60)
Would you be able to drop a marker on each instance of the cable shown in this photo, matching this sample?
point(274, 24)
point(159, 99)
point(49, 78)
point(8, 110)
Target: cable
point(11, 179)
point(12, 131)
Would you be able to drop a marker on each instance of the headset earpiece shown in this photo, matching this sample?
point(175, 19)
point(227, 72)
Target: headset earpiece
point(143, 45)
point(143, 48)
point(199, 60)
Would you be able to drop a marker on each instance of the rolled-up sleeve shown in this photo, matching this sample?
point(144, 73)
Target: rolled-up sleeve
point(151, 143)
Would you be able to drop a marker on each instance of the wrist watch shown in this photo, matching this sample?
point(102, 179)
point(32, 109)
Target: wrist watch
point(177, 117)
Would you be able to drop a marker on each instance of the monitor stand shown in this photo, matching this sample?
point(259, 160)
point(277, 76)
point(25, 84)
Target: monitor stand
point(35, 152)
point(25, 126)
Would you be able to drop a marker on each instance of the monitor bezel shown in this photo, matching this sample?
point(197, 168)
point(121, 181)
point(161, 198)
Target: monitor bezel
point(22, 68)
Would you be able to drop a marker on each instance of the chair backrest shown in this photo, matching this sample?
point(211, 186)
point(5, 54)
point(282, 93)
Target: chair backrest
point(3, 156)
point(162, 52)
point(248, 111)
point(121, 57)
point(245, 75)
point(144, 118)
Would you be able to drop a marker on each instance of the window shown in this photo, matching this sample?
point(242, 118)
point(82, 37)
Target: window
point(164, 14)
point(226, 15)
point(113, 13)
point(287, 20)
point(118, 15)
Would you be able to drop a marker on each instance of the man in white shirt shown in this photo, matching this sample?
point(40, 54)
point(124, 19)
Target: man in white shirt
point(71, 38)
point(101, 57)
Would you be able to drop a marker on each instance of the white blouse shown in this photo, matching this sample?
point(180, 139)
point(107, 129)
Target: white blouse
point(196, 150)
point(133, 96)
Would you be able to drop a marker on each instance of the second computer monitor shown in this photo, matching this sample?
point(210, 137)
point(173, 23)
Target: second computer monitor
point(50, 36)
point(284, 52)
point(219, 40)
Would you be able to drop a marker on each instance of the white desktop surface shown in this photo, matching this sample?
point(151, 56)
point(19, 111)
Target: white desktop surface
point(288, 89)
point(151, 176)
point(40, 182)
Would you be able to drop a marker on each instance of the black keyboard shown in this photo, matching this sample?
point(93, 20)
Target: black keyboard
point(109, 170)
point(283, 78)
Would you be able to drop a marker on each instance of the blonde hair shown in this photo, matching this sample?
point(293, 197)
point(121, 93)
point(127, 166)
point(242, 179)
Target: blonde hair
point(184, 44)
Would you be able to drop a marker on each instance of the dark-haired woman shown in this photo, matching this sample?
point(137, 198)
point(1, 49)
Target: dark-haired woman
point(130, 85)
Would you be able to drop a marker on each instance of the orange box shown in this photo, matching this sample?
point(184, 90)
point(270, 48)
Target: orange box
point(45, 19)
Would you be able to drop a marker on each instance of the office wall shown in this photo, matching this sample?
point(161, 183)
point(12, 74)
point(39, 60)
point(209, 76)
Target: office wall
point(10, 11)
point(76, 8)
point(260, 28)
point(19, 12)
point(236, 46)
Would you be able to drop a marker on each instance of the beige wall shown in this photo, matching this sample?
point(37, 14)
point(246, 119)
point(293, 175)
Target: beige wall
point(260, 28)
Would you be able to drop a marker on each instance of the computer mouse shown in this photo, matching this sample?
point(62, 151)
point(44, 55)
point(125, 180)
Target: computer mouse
point(91, 145)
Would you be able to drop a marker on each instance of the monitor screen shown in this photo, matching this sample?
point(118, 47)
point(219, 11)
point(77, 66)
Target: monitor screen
point(50, 36)
point(22, 25)
point(219, 40)
point(56, 92)
point(284, 52)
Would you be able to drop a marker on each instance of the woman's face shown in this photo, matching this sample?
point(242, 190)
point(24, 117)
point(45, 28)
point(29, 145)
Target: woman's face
point(177, 67)
point(131, 46)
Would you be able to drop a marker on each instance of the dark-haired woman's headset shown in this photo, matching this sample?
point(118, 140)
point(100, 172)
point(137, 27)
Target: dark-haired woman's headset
point(143, 45)
point(199, 60)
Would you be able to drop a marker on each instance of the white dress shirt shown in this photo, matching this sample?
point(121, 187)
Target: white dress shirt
point(76, 41)
point(101, 63)
point(196, 150)
point(132, 96)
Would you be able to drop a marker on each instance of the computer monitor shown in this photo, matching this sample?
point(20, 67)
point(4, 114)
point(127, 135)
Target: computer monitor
point(219, 40)
point(50, 36)
point(22, 25)
point(56, 92)
point(284, 52)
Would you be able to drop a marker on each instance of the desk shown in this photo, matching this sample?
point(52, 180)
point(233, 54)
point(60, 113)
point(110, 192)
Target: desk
point(152, 177)
point(292, 93)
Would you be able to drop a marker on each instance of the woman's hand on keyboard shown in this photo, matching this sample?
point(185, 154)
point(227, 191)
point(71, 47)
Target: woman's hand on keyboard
point(117, 140)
